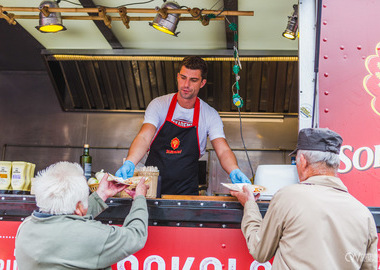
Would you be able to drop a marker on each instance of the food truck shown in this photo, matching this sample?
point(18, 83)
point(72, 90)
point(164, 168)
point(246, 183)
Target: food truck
point(338, 63)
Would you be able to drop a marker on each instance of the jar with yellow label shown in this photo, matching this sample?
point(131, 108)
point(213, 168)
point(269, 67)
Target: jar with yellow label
point(5, 177)
point(19, 177)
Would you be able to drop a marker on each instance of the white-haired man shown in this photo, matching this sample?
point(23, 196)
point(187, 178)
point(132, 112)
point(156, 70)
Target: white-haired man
point(316, 224)
point(62, 233)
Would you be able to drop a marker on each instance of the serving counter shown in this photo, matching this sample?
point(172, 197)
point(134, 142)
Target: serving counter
point(185, 232)
point(170, 210)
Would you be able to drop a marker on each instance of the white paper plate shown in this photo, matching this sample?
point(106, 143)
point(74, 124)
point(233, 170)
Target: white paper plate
point(239, 187)
point(131, 182)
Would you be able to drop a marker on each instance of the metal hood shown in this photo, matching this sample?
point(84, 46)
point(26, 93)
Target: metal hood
point(126, 80)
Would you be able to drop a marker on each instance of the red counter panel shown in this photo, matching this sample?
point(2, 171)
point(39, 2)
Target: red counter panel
point(174, 248)
point(167, 248)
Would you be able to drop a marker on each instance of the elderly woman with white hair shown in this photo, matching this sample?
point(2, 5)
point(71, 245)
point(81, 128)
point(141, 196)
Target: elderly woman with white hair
point(62, 233)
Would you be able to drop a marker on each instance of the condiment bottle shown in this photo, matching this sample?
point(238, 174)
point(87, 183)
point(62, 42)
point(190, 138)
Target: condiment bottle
point(86, 161)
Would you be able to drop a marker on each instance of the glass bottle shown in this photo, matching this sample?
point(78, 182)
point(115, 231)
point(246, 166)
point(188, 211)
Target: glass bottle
point(86, 161)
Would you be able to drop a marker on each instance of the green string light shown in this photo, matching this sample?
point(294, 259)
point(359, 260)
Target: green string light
point(233, 26)
point(236, 98)
point(236, 69)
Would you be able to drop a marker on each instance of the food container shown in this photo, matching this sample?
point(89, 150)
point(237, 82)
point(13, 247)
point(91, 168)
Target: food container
point(275, 177)
point(152, 174)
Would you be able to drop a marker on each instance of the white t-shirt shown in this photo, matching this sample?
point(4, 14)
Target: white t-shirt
point(210, 124)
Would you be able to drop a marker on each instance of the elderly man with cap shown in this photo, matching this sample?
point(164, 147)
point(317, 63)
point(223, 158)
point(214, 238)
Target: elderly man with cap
point(315, 224)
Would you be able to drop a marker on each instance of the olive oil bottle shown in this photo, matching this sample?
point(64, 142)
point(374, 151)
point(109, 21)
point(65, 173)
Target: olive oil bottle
point(86, 161)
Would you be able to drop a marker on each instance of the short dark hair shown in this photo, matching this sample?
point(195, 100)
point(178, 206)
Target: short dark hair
point(194, 62)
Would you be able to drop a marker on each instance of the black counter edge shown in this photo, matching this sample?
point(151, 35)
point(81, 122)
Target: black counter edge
point(183, 213)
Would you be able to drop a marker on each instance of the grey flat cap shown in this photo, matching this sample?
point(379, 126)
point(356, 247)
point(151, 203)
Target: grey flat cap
point(318, 139)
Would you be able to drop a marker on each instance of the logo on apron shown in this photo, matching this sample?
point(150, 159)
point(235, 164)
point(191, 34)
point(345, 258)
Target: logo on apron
point(174, 143)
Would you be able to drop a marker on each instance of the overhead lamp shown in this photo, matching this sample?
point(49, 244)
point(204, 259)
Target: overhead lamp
point(164, 21)
point(50, 22)
point(292, 27)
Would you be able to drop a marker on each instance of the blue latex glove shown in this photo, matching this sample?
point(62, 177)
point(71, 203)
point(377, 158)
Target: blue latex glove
point(237, 176)
point(126, 171)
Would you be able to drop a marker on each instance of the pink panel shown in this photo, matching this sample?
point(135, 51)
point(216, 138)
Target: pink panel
point(348, 86)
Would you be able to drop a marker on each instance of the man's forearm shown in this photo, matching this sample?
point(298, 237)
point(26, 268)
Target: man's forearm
point(225, 155)
point(138, 149)
point(141, 143)
point(228, 161)
point(250, 227)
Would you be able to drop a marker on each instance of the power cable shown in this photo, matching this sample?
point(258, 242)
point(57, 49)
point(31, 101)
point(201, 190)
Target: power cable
point(236, 98)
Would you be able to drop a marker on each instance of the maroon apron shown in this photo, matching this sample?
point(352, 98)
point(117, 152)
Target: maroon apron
point(175, 151)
